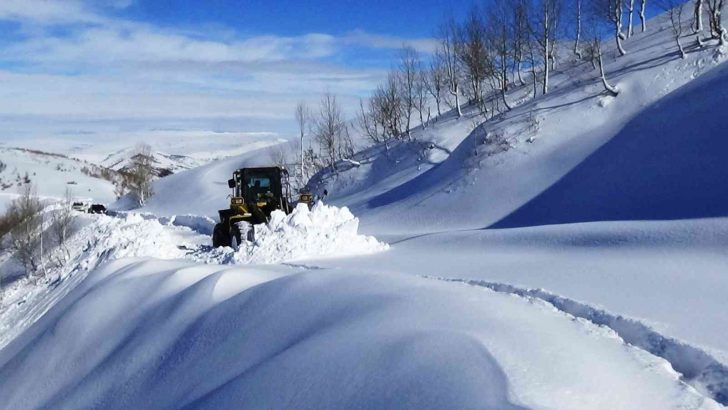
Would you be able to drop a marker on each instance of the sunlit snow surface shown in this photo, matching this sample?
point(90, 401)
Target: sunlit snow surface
point(323, 231)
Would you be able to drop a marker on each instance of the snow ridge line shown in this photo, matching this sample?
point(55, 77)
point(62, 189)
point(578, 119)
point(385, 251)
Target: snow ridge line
point(696, 367)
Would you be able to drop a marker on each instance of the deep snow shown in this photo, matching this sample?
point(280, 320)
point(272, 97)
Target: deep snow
point(323, 231)
point(169, 334)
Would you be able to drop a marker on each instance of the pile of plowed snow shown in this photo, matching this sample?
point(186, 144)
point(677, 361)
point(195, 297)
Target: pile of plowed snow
point(322, 231)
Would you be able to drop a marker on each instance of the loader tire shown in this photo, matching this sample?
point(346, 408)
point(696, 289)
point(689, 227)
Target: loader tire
point(221, 236)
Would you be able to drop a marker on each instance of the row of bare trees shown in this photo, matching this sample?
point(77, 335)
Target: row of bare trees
point(504, 45)
point(36, 238)
point(481, 57)
point(324, 139)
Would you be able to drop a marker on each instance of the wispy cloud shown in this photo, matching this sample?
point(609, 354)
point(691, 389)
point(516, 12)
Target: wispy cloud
point(98, 68)
point(362, 38)
point(49, 12)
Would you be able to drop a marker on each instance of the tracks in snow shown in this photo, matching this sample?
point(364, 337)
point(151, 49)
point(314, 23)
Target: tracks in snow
point(697, 368)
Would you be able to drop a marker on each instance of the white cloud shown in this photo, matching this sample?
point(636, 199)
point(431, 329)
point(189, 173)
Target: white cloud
point(116, 71)
point(362, 38)
point(142, 44)
point(47, 11)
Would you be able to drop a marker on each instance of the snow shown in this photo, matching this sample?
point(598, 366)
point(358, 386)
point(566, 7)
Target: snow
point(109, 148)
point(50, 175)
point(204, 190)
point(176, 335)
point(323, 231)
point(399, 194)
point(570, 253)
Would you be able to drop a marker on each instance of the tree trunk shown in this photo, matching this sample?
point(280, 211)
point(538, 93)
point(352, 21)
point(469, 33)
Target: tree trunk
point(578, 29)
point(534, 80)
point(505, 101)
point(618, 26)
point(546, 48)
point(520, 77)
point(303, 177)
point(610, 89)
point(456, 93)
point(698, 16)
point(680, 47)
point(630, 18)
point(643, 19)
point(545, 89)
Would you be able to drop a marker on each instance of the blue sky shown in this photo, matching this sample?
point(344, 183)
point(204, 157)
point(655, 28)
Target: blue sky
point(97, 66)
point(287, 17)
point(90, 67)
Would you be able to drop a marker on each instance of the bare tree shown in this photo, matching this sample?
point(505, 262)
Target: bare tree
point(392, 108)
point(674, 9)
point(520, 36)
point(577, 51)
point(302, 117)
point(612, 11)
point(421, 97)
point(26, 231)
point(533, 62)
point(473, 54)
point(715, 12)
point(409, 68)
point(599, 13)
point(346, 148)
point(436, 80)
point(330, 128)
point(643, 18)
point(368, 122)
point(698, 17)
point(498, 35)
point(62, 221)
point(544, 26)
point(279, 155)
point(142, 173)
point(630, 16)
point(448, 35)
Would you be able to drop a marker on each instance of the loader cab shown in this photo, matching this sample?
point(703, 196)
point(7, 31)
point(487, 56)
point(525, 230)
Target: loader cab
point(258, 185)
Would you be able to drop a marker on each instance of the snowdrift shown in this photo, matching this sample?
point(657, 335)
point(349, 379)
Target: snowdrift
point(323, 231)
point(667, 163)
point(137, 334)
point(203, 190)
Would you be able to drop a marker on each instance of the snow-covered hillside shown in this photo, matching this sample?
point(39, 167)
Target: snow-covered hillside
point(50, 174)
point(75, 162)
point(104, 149)
point(204, 190)
point(568, 254)
point(545, 139)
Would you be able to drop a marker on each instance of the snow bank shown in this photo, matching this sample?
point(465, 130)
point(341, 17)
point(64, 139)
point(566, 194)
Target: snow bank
point(323, 231)
point(180, 335)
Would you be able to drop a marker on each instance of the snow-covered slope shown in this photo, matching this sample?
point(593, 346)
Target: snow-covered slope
point(668, 162)
point(51, 175)
point(204, 190)
point(54, 164)
point(109, 148)
point(476, 185)
point(145, 333)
